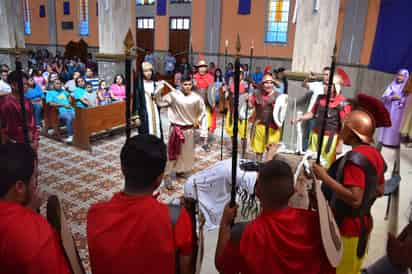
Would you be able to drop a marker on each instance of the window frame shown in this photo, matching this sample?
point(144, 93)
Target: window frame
point(267, 15)
point(183, 18)
point(147, 18)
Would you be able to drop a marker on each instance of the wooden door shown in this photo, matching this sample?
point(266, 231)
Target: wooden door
point(144, 37)
point(179, 37)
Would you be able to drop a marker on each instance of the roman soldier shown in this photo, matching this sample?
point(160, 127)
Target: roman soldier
point(203, 80)
point(355, 180)
point(338, 109)
point(243, 99)
point(145, 103)
point(265, 131)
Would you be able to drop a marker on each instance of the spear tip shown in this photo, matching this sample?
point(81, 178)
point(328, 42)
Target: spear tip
point(238, 45)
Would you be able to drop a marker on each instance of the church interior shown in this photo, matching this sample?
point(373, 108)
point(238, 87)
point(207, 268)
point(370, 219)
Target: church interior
point(369, 40)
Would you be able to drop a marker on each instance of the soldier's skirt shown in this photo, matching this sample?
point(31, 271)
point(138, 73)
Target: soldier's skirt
point(329, 156)
point(260, 141)
point(229, 126)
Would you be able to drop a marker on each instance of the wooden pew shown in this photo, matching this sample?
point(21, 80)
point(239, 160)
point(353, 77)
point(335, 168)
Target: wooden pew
point(94, 120)
point(51, 120)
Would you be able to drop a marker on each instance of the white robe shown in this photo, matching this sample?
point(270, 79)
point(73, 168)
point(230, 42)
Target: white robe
point(151, 107)
point(185, 110)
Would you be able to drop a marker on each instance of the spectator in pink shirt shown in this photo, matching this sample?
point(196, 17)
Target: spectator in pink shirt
point(118, 88)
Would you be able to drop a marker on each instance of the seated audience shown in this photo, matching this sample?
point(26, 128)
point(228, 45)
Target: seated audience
point(118, 89)
point(79, 94)
point(281, 240)
point(35, 95)
point(133, 232)
point(59, 98)
point(104, 95)
point(92, 79)
point(4, 86)
point(28, 244)
point(90, 96)
point(11, 115)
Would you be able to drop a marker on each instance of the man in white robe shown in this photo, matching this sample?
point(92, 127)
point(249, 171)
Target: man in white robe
point(186, 112)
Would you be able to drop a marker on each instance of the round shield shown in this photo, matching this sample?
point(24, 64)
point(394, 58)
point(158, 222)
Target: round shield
point(243, 108)
point(211, 96)
point(279, 111)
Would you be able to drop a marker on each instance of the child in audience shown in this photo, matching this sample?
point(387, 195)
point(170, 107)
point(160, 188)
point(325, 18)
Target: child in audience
point(104, 95)
point(90, 96)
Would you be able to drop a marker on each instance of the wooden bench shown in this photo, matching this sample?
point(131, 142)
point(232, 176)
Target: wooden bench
point(51, 121)
point(93, 120)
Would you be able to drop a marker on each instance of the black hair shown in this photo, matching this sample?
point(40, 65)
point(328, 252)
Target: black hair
point(77, 81)
point(326, 68)
point(88, 84)
point(15, 75)
point(276, 176)
point(143, 159)
point(16, 164)
point(117, 75)
point(220, 77)
point(281, 69)
point(185, 77)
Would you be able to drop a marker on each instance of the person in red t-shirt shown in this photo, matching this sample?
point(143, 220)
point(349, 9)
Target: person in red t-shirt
point(28, 244)
point(281, 240)
point(133, 232)
point(353, 185)
point(11, 126)
point(203, 80)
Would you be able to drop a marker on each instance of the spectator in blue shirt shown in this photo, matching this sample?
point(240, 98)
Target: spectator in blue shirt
point(229, 72)
point(170, 62)
point(257, 76)
point(59, 98)
point(149, 57)
point(79, 93)
point(90, 78)
point(35, 95)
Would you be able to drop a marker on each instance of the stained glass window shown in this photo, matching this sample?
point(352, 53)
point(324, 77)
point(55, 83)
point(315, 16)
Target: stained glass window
point(144, 2)
point(26, 17)
point(84, 18)
point(277, 21)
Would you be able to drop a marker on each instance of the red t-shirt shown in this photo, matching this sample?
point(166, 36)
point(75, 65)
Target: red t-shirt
point(11, 119)
point(203, 81)
point(133, 234)
point(279, 242)
point(28, 244)
point(242, 88)
point(355, 176)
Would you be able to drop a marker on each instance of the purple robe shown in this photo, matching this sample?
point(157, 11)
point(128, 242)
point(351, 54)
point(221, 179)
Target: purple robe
point(391, 136)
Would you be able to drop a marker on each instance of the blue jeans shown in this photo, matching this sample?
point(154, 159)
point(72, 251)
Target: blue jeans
point(37, 112)
point(67, 118)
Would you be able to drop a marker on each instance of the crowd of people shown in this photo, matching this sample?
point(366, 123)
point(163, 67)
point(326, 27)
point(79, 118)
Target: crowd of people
point(133, 232)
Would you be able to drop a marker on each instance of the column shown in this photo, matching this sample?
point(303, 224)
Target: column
point(12, 31)
point(212, 28)
point(51, 17)
point(315, 34)
point(115, 19)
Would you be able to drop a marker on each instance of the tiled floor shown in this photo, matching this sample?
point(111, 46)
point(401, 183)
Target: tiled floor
point(81, 178)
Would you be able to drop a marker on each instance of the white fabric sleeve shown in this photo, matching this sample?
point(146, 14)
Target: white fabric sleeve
point(203, 124)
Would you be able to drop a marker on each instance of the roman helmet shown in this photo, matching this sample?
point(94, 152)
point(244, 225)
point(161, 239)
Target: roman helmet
point(369, 113)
